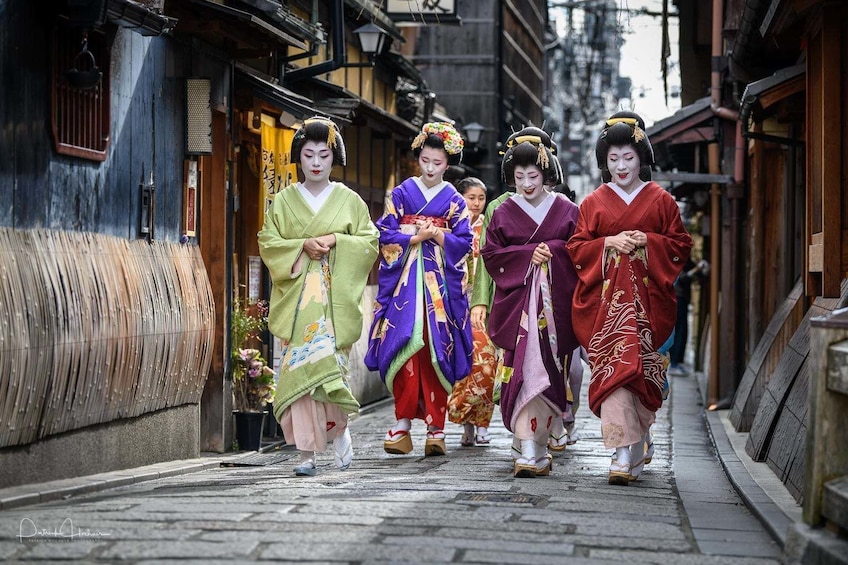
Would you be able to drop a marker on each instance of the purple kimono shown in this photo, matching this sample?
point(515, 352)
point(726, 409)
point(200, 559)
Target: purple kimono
point(415, 277)
point(530, 317)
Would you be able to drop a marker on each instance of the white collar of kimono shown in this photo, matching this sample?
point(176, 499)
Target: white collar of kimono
point(539, 212)
point(628, 198)
point(429, 193)
point(315, 201)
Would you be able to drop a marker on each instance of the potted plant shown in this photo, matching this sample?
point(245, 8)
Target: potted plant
point(253, 379)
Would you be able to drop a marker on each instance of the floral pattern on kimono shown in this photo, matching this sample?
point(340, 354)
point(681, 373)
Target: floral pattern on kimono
point(419, 280)
point(472, 398)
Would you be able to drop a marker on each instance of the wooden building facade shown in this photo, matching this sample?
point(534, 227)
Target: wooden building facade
point(132, 206)
point(489, 71)
point(765, 164)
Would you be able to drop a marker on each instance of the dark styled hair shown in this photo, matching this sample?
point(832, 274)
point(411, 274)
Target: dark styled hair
point(469, 182)
point(319, 129)
point(531, 146)
point(625, 128)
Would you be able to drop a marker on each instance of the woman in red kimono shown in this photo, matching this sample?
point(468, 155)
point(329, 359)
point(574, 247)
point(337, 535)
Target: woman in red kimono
point(629, 246)
point(530, 320)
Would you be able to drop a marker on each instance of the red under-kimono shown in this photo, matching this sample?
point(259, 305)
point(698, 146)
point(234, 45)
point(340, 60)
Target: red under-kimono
point(624, 305)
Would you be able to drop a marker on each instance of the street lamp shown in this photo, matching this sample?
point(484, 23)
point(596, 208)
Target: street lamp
point(473, 132)
point(371, 39)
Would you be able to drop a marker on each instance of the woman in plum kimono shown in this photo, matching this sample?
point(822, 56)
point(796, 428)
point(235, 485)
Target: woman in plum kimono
point(534, 280)
point(629, 246)
point(319, 245)
point(420, 338)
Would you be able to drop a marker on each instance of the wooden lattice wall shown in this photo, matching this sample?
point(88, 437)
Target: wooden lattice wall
point(95, 328)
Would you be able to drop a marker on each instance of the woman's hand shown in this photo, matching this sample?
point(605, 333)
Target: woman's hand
point(478, 317)
point(315, 249)
point(426, 230)
point(623, 242)
point(542, 254)
point(638, 237)
point(328, 240)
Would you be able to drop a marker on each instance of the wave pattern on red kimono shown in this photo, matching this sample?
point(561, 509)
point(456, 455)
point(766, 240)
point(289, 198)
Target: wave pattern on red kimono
point(624, 305)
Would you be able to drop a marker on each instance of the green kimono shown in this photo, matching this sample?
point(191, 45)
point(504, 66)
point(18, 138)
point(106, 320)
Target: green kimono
point(484, 287)
point(316, 306)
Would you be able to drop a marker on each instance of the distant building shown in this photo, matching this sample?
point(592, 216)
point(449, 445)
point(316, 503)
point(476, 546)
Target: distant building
point(584, 86)
point(488, 71)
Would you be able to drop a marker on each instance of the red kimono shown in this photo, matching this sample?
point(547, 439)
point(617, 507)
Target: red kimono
point(624, 306)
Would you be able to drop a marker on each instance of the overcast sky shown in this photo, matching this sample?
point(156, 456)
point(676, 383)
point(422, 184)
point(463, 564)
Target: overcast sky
point(640, 59)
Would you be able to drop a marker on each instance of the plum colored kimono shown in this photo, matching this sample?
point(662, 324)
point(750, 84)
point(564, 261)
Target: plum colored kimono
point(531, 311)
point(624, 305)
point(422, 279)
point(316, 306)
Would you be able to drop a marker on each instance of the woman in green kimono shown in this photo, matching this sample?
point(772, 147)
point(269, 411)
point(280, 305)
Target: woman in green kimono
point(319, 244)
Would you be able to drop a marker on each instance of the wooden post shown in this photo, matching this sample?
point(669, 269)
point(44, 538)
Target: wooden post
point(827, 444)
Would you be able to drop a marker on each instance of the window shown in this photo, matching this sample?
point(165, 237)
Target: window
point(80, 118)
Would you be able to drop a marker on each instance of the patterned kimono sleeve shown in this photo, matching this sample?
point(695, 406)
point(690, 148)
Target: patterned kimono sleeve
point(459, 239)
point(393, 243)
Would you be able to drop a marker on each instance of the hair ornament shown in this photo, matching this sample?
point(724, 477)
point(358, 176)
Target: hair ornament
point(331, 128)
point(625, 128)
point(543, 160)
point(531, 146)
point(628, 121)
point(444, 131)
point(312, 129)
point(534, 139)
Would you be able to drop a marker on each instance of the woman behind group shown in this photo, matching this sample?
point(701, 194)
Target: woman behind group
point(471, 404)
point(530, 319)
point(629, 246)
point(319, 244)
point(420, 338)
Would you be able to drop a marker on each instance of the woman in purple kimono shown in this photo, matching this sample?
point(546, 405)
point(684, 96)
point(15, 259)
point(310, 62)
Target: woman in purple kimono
point(531, 312)
point(420, 338)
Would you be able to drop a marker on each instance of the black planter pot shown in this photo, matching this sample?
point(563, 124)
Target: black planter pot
point(249, 430)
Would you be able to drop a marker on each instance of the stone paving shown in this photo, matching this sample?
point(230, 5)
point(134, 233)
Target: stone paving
point(465, 507)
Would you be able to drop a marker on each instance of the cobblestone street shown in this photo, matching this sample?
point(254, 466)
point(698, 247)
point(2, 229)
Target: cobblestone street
point(464, 507)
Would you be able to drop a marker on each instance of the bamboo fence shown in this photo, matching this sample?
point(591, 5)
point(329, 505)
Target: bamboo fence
point(95, 328)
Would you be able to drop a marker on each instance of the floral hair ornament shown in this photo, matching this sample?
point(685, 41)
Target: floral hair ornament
point(444, 131)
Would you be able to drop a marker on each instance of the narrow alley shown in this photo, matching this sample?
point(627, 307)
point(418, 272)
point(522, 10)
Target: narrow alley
point(465, 507)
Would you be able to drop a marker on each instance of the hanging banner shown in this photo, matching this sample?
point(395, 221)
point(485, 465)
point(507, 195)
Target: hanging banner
point(277, 170)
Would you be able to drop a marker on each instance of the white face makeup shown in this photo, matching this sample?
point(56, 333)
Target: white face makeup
point(529, 183)
point(623, 163)
point(316, 162)
point(433, 163)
